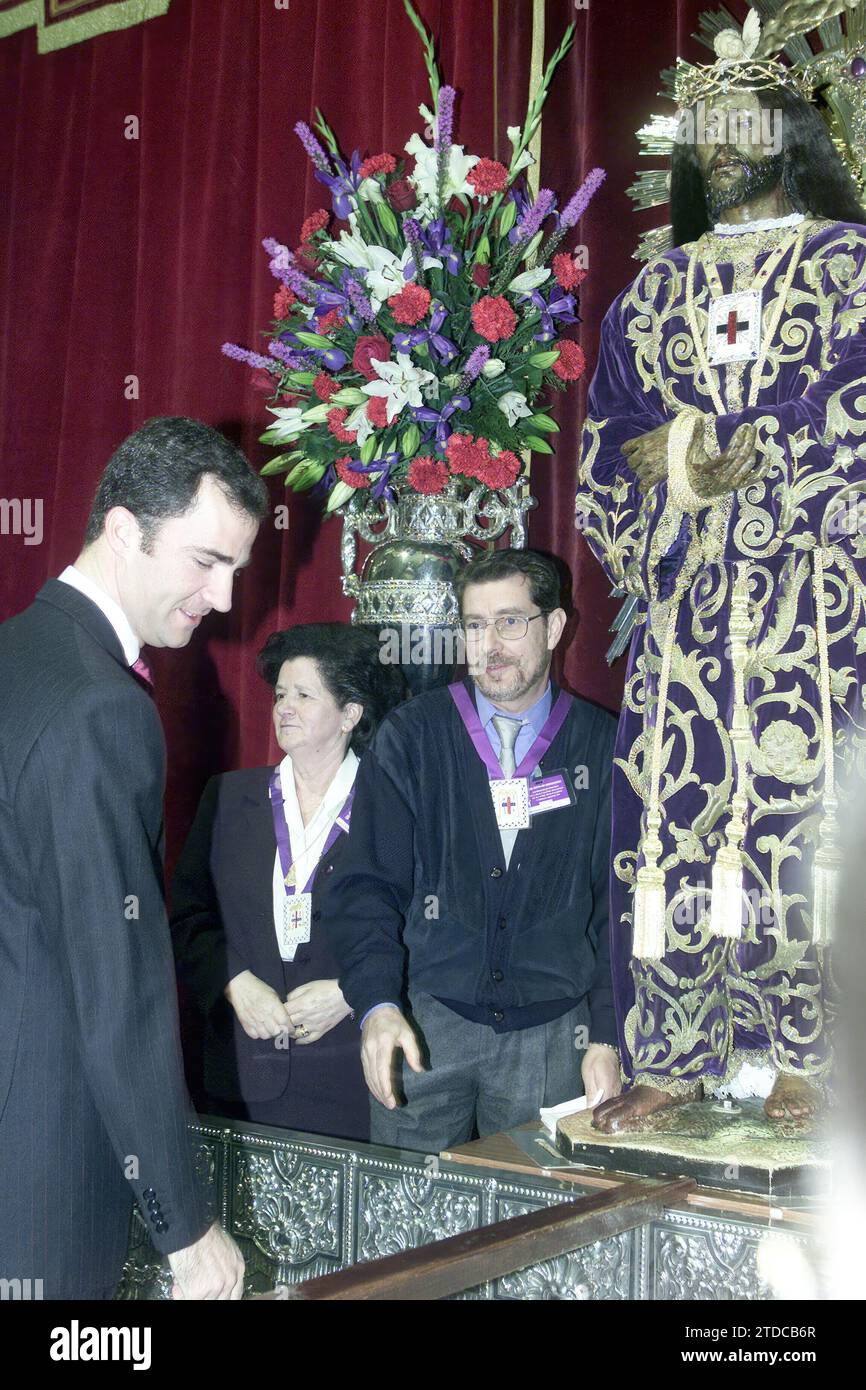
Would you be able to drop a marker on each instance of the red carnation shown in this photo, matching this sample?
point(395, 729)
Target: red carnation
point(467, 455)
point(377, 412)
point(410, 305)
point(427, 474)
point(325, 386)
point(377, 164)
point(493, 318)
point(330, 322)
point(488, 176)
point(316, 222)
point(401, 195)
point(283, 301)
point(568, 273)
point(502, 470)
point(571, 363)
point(368, 348)
point(349, 475)
point(336, 423)
point(481, 276)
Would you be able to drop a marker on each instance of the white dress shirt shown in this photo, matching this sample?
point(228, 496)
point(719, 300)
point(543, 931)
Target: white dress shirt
point(308, 841)
point(113, 611)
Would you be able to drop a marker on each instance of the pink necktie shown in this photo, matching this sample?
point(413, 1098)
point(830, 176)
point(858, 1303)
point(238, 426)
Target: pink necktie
point(141, 668)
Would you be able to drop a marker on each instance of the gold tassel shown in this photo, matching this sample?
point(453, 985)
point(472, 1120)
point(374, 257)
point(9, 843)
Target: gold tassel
point(726, 906)
point(649, 898)
point(828, 856)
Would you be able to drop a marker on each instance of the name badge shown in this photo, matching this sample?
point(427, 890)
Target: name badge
point(734, 328)
point(550, 792)
point(297, 916)
point(510, 802)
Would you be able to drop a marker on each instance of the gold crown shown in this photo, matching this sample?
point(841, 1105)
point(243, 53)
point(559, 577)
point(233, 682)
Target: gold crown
point(739, 67)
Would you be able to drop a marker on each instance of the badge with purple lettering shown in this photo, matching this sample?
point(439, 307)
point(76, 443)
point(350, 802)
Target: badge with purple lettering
point(550, 792)
point(510, 802)
point(297, 916)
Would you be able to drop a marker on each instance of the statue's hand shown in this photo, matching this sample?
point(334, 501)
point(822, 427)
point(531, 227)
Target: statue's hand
point(647, 456)
point(715, 477)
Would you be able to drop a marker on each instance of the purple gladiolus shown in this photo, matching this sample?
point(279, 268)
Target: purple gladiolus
point(445, 118)
point(475, 362)
point(312, 146)
point(285, 354)
point(359, 299)
point(252, 359)
point(532, 219)
point(412, 233)
point(574, 210)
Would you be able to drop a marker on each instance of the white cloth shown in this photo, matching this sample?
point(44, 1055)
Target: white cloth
point(764, 224)
point(113, 611)
point(308, 841)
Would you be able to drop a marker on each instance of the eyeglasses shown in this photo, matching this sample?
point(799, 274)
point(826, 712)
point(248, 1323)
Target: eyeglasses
point(511, 627)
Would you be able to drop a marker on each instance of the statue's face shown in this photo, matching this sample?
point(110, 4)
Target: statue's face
point(738, 147)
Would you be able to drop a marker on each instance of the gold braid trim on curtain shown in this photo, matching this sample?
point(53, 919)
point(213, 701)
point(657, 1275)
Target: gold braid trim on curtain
point(58, 26)
point(536, 72)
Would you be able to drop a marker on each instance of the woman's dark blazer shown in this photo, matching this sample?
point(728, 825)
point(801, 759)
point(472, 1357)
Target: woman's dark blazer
point(222, 922)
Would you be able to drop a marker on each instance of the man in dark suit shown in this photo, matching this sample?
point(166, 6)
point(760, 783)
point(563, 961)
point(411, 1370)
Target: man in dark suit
point(93, 1108)
point(469, 912)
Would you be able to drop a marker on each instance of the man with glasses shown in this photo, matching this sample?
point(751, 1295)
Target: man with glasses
point(469, 913)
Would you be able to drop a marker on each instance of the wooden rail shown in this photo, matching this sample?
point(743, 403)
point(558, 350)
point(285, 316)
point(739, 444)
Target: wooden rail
point(461, 1262)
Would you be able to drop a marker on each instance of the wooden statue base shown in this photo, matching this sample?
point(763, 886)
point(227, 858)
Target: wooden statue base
point(737, 1147)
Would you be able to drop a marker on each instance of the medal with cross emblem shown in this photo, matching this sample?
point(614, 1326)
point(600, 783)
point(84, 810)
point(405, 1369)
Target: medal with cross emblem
point(510, 802)
point(734, 328)
point(297, 916)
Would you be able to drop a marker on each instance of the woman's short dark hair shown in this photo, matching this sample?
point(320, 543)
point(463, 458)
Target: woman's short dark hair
point(541, 573)
point(349, 664)
point(155, 473)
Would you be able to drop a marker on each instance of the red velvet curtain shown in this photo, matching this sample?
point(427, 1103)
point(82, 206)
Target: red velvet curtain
point(131, 250)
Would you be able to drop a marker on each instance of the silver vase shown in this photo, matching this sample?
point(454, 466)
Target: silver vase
point(405, 590)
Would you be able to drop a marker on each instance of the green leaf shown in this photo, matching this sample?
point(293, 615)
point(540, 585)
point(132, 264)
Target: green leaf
point(300, 378)
point(538, 446)
point(388, 220)
point(530, 249)
point(507, 217)
point(545, 358)
point(544, 423)
point(349, 395)
point(368, 449)
point(313, 339)
point(410, 441)
point(482, 251)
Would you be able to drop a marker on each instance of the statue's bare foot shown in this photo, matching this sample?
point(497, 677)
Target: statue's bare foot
point(627, 1111)
point(793, 1098)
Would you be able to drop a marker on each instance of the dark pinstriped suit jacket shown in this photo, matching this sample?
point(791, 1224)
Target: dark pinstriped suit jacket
point(93, 1108)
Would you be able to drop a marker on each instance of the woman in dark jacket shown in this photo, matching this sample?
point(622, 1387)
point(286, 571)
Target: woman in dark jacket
point(250, 889)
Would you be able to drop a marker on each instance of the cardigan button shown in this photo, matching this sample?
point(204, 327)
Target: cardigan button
point(496, 873)
point(498, 1015)
point(498, 976)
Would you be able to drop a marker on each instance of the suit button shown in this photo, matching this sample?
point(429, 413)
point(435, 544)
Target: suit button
point(498, 975)
point(329, 868)
point(160, 1227)
point(502, 924)
point(498, 1015)
point(148, 1193)
point(495, 873)
point(153, 1205)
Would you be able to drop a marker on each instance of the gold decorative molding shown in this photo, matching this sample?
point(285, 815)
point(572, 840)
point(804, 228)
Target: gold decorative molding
point(60, 23)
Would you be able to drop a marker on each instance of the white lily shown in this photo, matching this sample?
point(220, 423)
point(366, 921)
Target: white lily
point(493, 367)
point(386, 273)
point(289, 424)
point(401, 383)
point(359, 421)
point(426, 173)
point(526, 158)
point(370, 190)
point(513, 406)
point(528, 280)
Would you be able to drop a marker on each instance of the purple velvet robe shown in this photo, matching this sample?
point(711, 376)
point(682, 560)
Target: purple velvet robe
point(710, 1001)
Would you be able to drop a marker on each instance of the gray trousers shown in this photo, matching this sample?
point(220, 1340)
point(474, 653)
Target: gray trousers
point(478, 1078)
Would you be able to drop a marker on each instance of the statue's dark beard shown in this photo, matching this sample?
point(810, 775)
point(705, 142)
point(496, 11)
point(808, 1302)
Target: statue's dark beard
point(759, 176)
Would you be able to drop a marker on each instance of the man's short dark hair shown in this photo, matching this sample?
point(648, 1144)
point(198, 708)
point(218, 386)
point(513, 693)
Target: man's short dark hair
point(540, 571)
point(155, 473)
point(350, 666)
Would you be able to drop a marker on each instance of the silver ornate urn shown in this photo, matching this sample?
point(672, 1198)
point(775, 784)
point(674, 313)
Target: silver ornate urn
point(405, 589)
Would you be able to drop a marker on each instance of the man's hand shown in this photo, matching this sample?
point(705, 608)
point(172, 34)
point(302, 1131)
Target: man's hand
point(260, 1010)
point(647, 456)
point(210, 1268)
point(600, 1072)
point(315, 1008)
point(385, 1031)
point(715, 477)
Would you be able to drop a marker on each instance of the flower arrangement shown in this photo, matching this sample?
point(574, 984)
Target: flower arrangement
point(412, 344)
